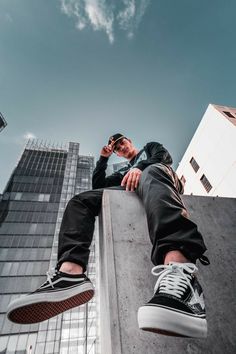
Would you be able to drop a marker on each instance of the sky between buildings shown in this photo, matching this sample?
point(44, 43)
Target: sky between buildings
point(81, 70)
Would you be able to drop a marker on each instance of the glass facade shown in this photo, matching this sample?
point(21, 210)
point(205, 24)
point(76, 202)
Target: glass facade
point(114, 167)
point(31, 210)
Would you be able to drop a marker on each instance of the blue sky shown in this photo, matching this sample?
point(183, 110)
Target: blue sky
point(76, 70)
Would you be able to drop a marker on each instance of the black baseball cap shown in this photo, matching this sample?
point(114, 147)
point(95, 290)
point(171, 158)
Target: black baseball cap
point(114, 138)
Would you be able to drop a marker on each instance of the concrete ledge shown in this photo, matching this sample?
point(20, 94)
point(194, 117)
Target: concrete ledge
point(126, 282)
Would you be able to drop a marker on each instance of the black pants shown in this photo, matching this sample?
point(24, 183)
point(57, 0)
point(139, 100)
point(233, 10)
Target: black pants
point(169, 226)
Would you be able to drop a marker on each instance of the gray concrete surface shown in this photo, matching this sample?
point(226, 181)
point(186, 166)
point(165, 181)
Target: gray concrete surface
point(126, 282)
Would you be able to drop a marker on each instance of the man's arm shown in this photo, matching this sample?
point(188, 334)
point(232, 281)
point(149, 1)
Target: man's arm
point(157, 153)
point(99, 179)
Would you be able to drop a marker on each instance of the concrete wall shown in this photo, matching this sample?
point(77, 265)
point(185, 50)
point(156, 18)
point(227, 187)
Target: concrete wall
point(126, 282)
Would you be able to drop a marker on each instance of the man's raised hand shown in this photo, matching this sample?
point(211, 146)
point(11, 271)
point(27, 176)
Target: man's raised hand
point(106, 151)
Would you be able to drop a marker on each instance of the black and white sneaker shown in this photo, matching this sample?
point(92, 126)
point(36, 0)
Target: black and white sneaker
point(59, 293)
point(177, 307)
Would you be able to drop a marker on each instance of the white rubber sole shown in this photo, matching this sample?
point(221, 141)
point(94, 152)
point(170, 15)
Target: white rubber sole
point(164, 321)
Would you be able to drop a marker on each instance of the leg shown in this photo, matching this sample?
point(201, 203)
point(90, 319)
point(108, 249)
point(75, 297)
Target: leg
point(64, 290)
point(67, 287)
point(169, 226)
point(177, 307)
point(175, 256)
point(77, 230)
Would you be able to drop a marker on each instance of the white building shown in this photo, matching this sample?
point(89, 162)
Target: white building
point(208, 166)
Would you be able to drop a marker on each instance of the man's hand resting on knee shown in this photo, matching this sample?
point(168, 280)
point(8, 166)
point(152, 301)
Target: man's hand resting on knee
point(131, 179)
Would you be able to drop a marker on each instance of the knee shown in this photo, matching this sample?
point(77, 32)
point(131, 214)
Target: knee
point(153, 174)
point(153, 170)
point(150, 169)
point(90, 197)
point(76, 201)
point(80, 197)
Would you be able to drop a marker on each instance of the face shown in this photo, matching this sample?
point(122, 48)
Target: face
point(125, 148)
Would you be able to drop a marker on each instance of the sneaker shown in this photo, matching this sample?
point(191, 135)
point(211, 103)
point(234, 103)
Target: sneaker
point(59, 293)
point(177, 307)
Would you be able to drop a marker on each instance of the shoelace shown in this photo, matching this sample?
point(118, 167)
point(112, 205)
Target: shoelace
point(173, 280)
point(50, 275)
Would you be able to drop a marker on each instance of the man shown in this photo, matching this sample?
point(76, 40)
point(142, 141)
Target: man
point(177, 306)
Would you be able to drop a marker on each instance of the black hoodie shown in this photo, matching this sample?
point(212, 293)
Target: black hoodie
point(150, 154)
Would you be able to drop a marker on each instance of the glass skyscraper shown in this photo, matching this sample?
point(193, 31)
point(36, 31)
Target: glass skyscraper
point(31, 209)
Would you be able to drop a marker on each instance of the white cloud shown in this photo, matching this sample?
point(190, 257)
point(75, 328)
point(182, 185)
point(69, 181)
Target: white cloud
point(6, 17)
point(105, 15)
point(100, 17)
point(29, 135)
point(126, 17)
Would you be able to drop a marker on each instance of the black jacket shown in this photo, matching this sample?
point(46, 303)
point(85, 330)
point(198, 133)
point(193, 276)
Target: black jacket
point(150, 154)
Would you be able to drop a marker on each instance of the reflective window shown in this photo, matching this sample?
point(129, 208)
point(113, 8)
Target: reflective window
point(20, 284)
point(49, 348)
point(12, 343)
point(65, 333)
point(40, 348)
point(41, 336)
point(14, 268)
point(26, 228)
point(43, 197)
point(22, 342)
point(31, 343)
point(51, 335)
point(25, 241)
point(52, 323)
point(18, 196)
point(1, 322)
point(21, 254)
point(32, 228)
point(5, 268)
point(3, 343)
point(4, 301)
